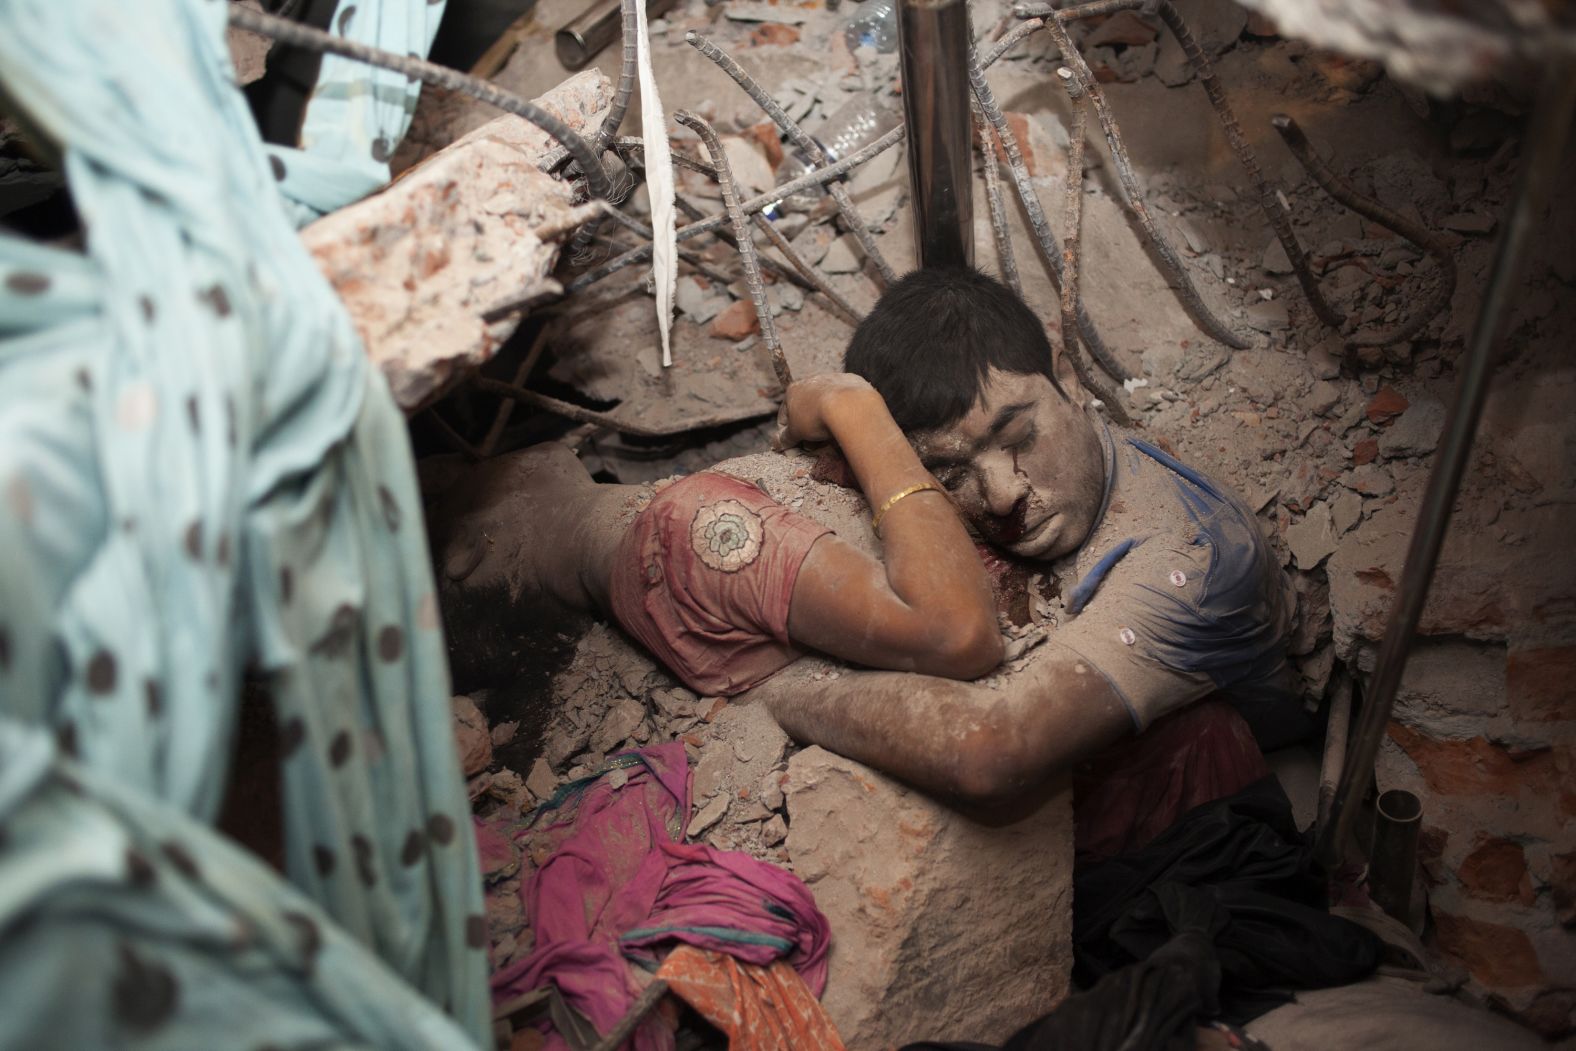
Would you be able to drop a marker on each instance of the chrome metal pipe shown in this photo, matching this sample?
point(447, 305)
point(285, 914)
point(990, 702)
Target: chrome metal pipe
point(578, 42)
point(933, 41)
point(1535, 184)
point(1392, 864)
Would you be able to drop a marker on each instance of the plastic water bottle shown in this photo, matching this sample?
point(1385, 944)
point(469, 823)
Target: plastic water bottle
point(874, 24)
point(853, 126)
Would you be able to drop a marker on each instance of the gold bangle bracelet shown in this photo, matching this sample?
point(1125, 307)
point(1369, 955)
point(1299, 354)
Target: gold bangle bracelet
point(875, 519)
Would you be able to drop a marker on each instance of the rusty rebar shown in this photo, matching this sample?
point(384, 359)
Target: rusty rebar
point(1368, 208)
point(294, 34)
point(580, 414)
point(999, 227)
point(1072, 201)
point(1171, 265)
point(1280, 221)
point(808, 272)
point(779, 116)
point(746, 242)
point(1010, 40)
point(1046, 240)
point(753, 205)
point(727, 238)
point(494, 434)
point(803, 274)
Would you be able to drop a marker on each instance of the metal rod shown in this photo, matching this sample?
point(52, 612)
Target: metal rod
point(1000, 229)
point(1336, 732)
point(580, 414)
point(638, 1010)
point(1392, 864)
point(933, 47)
point(1171, 266)
point(1280, 222)
point(1425, 239)
point(1043, 236)
point(581, 39)
point(293, 34)
point(1545, 139)
point(779, 116)
point(1072, 200)
point(806, 271)
point(746, 242)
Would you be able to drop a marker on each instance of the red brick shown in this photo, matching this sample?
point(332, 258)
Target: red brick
point(1386, 405)
point(767, 135)
point(773, 33)
point(1018, 124)
point(1540, 684)
point(1365, 451)
point(736, 322)
point(1497, 955)
point(1476, 766)
point(1496, 870)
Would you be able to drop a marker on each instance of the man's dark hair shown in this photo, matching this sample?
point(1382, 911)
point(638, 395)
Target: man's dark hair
point(934, 335)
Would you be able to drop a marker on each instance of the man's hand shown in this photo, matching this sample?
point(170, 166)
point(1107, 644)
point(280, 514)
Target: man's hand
point(810, 403)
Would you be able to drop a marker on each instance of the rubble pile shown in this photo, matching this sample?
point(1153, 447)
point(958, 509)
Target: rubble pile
point(1331, 447)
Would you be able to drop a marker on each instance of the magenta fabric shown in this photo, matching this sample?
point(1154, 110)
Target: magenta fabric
point(614, 865)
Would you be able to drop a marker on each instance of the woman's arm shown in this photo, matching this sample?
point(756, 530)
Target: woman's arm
point(927, 607)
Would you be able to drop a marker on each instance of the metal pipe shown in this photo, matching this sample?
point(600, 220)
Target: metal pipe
point(1542, 147)
point(933, 42)
point(1336, 733)
point(1392, 865)
point(580, 40)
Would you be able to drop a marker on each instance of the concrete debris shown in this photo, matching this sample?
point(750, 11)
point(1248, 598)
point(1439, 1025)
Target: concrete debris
point(1268, 317)
point(471, 735)
point(842, 256)
point(1370, 480)
point(926, 902)
point(708, 816)
point(541, 782)
point(1416, 432)
point(1345, 512)
point(1469, 223)
point(1275, 260)
point(698, 303)
point(417, 290)
point(1312, 540)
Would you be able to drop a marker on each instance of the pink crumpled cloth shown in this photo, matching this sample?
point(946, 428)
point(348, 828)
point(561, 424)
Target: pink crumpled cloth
point(617, 881)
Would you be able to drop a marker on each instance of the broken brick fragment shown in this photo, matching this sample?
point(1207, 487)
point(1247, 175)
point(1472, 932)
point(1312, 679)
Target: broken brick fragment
point(773, 34)
point(736, 322)
point(1386, 405)
point(1365, 451)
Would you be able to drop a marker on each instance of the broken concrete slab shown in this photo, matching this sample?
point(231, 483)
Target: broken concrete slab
point(1312, 540)
point(419, 264)
point(1268, 317)
point(1416, 432)
point(928, 907)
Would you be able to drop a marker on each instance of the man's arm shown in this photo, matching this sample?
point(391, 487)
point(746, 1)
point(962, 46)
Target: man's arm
point(953, 739)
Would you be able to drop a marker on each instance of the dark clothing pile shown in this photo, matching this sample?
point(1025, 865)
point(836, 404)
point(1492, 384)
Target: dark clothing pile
point(1221, 915)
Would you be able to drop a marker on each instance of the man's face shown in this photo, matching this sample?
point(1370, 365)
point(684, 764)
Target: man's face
point(1024, 464)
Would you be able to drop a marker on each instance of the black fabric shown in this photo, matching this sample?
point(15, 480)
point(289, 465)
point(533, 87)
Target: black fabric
point(1153, 1004)
point(1238, 868)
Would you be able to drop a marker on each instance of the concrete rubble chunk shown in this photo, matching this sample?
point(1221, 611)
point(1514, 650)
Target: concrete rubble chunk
point(620, 723)
point(1469, 223)
point(1346, 512)
point(1312, 540)
point(1268, 317)
point(1370, 480)
point(842, 257)
point(1124, 27)
point(1275, 259)
point(928, 907)
point(700, 305)
point(471, 735)
point(707, 816)
point(418, 264)
point(1417, 431)
point(541, 780)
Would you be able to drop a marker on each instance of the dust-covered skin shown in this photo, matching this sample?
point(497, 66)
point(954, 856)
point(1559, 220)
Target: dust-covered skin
point(1024, 464)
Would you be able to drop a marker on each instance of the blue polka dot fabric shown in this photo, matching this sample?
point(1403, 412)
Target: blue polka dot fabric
point(201, 475)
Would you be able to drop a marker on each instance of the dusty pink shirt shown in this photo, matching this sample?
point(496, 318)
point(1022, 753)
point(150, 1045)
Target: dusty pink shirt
point(703, 578)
